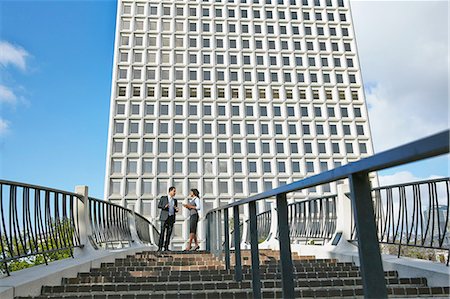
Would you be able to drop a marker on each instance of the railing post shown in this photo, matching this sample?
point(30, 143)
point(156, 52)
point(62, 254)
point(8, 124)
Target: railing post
point(213, 233)
point(371, 266)
point(208, 232)
point(256, 277)
point(287, 276)
point(83, 219)
point(227, 240)
point(237, 245)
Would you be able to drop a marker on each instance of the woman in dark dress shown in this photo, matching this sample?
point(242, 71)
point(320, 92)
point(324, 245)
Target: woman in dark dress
point(193, 206)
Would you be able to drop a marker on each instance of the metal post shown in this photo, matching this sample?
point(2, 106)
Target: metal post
point(287, 276)
point(227, 240)
point(219, 231)
point(237, 246)
point(371, 266)
point(256, 277)
point(208, 232)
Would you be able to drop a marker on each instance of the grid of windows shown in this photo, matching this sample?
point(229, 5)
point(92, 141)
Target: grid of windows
point(232, 97)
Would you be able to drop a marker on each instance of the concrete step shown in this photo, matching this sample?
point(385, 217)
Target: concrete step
point(351, 291)
point(220, 285)
point(168, 270)
point(200, 276)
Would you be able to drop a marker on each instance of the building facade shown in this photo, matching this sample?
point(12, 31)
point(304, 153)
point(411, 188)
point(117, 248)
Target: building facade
point(232, 97)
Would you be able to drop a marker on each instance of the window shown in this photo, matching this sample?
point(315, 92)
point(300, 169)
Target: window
point(306, 129)
point(292, 129)
point(319, 129)
point(280, 148)
point(223, 187)
point(308, 148)
point(263, 110)
point(335, 147)
point(237, 166)
point(178, 147)
point(207, 147)
point(251, 147)
point(294, 148)
point(236, 147)
point(362, 148)
point(349, 148)
point(330, 111)
point(192, 147)
point(333, 129)
point(265, 148)
point(360, 129)
point(346, 130)
point(304, 111)
point(163, 147)
point(253, 186)
point(322, 149)
point(122, 91)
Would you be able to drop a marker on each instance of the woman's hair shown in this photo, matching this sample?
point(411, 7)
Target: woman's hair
point(196, 193)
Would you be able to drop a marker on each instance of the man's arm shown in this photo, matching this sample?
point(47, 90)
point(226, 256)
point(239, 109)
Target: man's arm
point(161, 203)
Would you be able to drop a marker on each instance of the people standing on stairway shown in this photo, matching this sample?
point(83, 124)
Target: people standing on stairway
point(193, 206)
point(169, 207)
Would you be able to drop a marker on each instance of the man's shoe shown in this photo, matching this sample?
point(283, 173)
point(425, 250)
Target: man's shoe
point(159, 250)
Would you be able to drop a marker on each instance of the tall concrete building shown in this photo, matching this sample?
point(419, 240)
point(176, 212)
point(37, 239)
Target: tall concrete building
point(232, 97)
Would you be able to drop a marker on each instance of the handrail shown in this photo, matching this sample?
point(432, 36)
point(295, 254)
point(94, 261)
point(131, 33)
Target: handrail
point(37, 221)
point(409, 215)
point(31, 186)
point(313, 218)
point(428, 147)
point(143, 227)
point(357, 172)
point(110, 223)
point(47, 224)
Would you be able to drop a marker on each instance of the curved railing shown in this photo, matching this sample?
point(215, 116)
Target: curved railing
point(110, 223)
point(357, 173)
point(413, 214)
point(145, 229)
point(37, 223)
point(312, 220)
point(264, 222)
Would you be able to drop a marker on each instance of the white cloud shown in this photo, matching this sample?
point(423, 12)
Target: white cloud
point(4, 127)
point(12, 54)
point(404, 62)
point(402, 177)
point(7, 95)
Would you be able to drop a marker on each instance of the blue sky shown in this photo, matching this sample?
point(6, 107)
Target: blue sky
point(57, 131)
point(54, 110)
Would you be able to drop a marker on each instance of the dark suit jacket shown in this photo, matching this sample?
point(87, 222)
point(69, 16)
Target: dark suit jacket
point(163, 201)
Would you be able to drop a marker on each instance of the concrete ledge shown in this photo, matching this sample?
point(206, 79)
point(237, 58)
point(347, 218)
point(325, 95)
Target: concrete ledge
point(29, 282)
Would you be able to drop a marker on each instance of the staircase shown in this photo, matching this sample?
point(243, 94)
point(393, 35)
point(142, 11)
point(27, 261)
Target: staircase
point(202, 275)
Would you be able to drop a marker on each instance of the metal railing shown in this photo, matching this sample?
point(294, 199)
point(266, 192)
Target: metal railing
point(40, 224)
point(312, 220)
point(413, 214)
point(357, 173)
point(110, 224)
point(264, 221)
point(145, 229)
point(36, 222)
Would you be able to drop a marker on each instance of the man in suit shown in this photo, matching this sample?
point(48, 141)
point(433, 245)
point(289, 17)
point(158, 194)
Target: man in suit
point(168, 205)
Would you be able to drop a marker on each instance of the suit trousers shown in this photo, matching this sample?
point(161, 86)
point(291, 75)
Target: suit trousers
point(166, 228)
